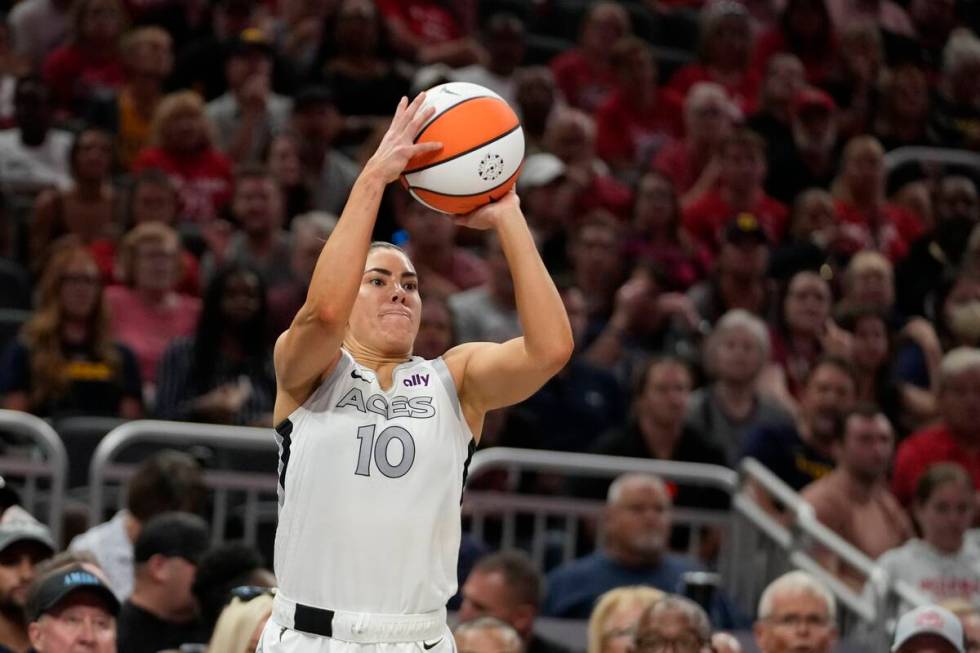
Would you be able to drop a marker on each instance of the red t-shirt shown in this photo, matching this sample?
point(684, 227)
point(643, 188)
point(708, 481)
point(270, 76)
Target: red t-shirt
point(897, 229)
point(425, 19)
point(707, 217)
point(74, 73)
point(203, 180)
point(583, 84)
point(933, 444)
point(631, 133)
point(745, 93)
point(675, 162)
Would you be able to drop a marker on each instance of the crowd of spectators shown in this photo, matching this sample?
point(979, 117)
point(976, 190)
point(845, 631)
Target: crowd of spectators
point(749, 265)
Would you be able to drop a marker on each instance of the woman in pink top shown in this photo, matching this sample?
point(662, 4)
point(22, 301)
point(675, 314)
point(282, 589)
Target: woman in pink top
point(147, 313)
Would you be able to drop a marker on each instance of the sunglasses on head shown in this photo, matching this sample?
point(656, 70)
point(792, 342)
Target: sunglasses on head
point(249, 592)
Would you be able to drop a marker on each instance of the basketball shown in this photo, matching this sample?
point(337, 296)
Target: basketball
point(482, 153)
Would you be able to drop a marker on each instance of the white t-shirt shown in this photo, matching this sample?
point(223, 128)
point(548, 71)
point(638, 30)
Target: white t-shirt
point(28, 170)
point(937, 575)
point(113, 550)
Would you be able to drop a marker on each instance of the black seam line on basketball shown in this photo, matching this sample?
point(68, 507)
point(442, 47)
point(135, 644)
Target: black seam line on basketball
point(432, 120)
point(490, 190)
point(464, 153)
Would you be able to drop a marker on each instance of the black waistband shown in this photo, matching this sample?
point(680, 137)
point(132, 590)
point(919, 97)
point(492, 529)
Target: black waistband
point(315, 621)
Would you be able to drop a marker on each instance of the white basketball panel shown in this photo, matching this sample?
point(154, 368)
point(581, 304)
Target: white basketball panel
point(478, 171)
point(450, 94)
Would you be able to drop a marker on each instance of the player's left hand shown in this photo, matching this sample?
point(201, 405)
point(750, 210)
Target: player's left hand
point(490, 215)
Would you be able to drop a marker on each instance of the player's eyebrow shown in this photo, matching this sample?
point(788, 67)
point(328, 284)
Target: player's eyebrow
point(387, 273)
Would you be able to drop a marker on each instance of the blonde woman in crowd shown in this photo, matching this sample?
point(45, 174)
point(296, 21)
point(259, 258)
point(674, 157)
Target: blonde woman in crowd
point(612, 625)
point(240, 624)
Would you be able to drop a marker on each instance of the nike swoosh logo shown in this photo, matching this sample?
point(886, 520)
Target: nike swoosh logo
point(355, 375)
point(428, 646)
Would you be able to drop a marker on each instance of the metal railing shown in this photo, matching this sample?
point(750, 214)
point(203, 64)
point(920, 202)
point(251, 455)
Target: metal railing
point(40, 457)
point(107, 471)
point(944, 155)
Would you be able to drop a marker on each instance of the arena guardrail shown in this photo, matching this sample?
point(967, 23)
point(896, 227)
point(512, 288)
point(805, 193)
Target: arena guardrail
point(41, 440)
point(948, 156)
point(107, 470)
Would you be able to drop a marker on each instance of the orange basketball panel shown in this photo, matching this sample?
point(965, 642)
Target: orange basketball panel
point(464, 127)
point(461, 204)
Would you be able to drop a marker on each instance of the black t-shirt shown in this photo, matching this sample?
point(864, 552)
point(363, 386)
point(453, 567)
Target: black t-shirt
point(783, 451)
point(95, 387)
point(139, 631)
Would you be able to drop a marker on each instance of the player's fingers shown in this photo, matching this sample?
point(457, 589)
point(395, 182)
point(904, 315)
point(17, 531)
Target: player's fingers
point(398, 118)
point(413, 107)
point(425, 148)
point(419, 119)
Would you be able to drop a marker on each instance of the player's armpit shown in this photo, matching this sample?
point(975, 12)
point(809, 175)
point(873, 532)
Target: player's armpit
point(304, 353)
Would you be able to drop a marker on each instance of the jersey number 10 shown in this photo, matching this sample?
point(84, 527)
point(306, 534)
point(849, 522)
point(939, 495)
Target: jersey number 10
point(380, 448)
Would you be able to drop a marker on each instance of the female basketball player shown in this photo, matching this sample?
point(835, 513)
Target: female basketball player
point(373, 441)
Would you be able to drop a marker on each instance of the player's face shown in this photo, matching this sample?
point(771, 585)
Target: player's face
point(388, 309)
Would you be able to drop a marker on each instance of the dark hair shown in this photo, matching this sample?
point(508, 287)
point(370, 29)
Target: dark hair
point(937, 475)
point(252, 171)
point(76, 145)
point(827, 36)
point(169, 480)
point(863, 409)
point(252, 336)
point(841, 364)
point(520, 574)
point(220, 570)
point(641, 378)
point(383, 244)
point(148, 177)
point(328, 48)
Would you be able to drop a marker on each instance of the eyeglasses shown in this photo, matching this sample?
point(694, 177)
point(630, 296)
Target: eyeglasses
point(248, 592)
point(616, 633)
point(814, 621)
point(80, 279)
point(100, 625)
point(682, 644)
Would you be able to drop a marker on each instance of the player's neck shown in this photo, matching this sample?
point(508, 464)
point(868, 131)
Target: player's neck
point(382, 363)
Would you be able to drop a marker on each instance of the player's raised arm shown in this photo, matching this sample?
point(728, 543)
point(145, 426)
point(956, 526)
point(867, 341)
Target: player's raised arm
point(311, 345)
point(491, 375)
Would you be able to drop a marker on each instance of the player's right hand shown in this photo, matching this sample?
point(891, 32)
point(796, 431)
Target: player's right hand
point(397, 147)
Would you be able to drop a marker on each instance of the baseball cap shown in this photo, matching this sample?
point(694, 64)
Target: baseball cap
point(540, 170)
point(745, 227)
point(24, 528)
point(250, 39)
point(172, 535)
point(929, 620)
point(53, 588)
point(812, 98)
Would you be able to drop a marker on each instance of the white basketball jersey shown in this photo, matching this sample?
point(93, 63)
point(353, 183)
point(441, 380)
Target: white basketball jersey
point(370, 483)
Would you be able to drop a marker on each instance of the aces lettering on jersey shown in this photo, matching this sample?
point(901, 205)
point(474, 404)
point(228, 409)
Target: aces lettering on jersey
point(414, 407)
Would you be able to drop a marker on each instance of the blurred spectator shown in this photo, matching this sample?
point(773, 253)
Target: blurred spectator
point(487, 312)
point(283, 162)
point(885, 14)
point(308, 233)
point(487, 635)
point(955, 306)
point(507, 586)
point(692, 163)
point(571, 136)
point(548, 202)
point(23, 544)
point(941, 564)
point(596, 250)
point(241, 624)
point(37, 27)
point(66, 598)
point(436, 335)
point(584, 74)
point(616, 616)
point(248, 114)
point(735, 354)
point(65, 361)
point(12, 67)
point(955, 438)
point(260, 241)
point(224, 372)
point(296, 30)
point(89, 62)
point(937, 254)
point(147, 57)
point(656, 235)
point(742, 169)
point(656, 430)
point(574, 406)
point(636, 120)
point(152, 199)
point(904, 110)
point(168, 480)
point(181, 145)
point(444, 267)
point(504, 40)
point(785, 77)
point(162, 612)
point(428, 31)
point(804, 30)
point(796, 613)
point(315, 123)
point(955, 116)
point(803, 453)
point(673, 621)
point(868, 283)
point(853, 500)
point(33, 155)
point(724, 50)
point(854, 85)
point(928, 628)
point(87, 211)
point(147, 312)
point(739, 279)
point(809, 159)
point(536, 97)
point(634, 551)
point(970, 618)
point(220, 571)
point(934, 21)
